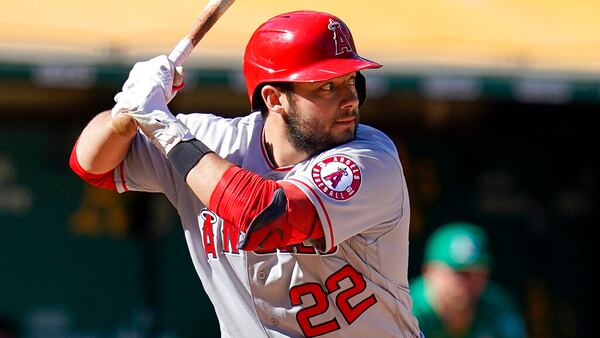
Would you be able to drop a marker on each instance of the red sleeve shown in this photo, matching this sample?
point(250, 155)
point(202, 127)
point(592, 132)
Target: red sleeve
point(105, 180)
point(241, 195)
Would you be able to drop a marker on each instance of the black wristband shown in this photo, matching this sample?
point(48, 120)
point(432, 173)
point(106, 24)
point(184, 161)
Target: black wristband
point(186, 154)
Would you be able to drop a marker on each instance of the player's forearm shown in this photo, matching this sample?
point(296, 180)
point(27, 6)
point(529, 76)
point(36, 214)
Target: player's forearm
point(99, 148)
point(205, 176)
point(271, 214)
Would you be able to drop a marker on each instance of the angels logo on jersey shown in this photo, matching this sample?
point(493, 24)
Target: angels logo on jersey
point(337, 177)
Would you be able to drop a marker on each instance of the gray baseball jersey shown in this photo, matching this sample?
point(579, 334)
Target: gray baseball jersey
point(357, 287)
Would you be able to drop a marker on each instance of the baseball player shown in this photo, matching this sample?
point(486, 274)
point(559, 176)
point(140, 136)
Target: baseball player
point(282, 209)
point(454, 297)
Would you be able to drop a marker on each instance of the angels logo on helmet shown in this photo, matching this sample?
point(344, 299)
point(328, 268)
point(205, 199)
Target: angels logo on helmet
point(342, 44)
point(298, 47)
point(337, 177)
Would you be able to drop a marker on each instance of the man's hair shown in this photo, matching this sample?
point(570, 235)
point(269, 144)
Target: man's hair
point(285, 87)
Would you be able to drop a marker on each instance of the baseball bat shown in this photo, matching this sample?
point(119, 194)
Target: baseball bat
point(213, 10)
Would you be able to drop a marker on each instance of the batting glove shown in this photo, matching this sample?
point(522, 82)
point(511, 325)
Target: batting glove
point(144, 97)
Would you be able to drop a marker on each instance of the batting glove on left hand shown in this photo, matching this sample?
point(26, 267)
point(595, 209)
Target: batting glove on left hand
point(144, 97)
point(160, 70)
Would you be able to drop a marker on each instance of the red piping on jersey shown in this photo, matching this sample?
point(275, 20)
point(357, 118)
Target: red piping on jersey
point(122, 176)
point(104, 180)
point(322, 207)
point(263, 149)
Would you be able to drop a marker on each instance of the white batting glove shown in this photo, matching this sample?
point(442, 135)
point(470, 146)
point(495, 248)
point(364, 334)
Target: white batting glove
point(144, 97)
point(160, 69)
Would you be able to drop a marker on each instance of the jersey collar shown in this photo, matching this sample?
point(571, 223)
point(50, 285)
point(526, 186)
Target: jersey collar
point(263, 148)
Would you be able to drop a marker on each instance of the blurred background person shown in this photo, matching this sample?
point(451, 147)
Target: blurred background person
point(454, 296)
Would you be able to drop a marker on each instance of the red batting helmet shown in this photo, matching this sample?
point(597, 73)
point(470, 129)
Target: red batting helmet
point(302, 46)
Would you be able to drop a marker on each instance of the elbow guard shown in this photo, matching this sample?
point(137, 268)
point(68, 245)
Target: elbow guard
point(269, 214)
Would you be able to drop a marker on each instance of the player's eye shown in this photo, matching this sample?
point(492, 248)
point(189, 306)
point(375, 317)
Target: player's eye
point(328, 86)
point(352, 81)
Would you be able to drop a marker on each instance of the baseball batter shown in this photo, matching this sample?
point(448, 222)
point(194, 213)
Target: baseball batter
point(283, 210)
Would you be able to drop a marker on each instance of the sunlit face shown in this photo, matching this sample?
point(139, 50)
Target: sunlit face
point(321, 115)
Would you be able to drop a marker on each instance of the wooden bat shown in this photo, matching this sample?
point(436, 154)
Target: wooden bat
point(213, 10)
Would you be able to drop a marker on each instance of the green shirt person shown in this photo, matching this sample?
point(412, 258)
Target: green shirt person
point(454, 296)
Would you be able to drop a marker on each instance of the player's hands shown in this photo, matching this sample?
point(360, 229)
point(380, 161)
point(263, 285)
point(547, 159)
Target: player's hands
point(144, 98)
point(177, 84)
point(155, 74)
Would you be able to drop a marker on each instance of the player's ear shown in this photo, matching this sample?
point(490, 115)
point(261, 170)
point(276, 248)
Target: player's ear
point(272, 97)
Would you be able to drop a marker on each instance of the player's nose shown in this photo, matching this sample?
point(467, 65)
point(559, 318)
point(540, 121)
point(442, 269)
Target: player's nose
point(349, 99)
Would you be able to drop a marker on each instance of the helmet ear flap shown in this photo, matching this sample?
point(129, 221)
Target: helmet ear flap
point(361, 88)
point(257, 100)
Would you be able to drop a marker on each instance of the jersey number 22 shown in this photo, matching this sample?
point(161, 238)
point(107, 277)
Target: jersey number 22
point(319, 294)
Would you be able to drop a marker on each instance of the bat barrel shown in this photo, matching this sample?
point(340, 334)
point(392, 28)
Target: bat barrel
point(211, 13)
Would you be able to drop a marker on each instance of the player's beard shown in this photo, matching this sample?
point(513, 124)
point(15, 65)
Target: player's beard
point(307, 135)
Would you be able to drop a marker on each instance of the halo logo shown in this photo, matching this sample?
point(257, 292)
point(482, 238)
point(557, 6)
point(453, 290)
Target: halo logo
point(342, 44)
point(337, 177)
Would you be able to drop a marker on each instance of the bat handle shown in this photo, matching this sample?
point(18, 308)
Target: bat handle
point(181, 52)
point(124, 124)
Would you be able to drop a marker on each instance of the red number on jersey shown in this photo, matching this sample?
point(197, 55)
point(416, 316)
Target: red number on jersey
point(321, 304)
point(321, 300)
point(359, 285)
